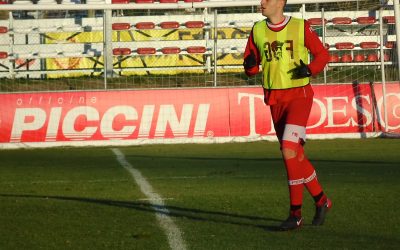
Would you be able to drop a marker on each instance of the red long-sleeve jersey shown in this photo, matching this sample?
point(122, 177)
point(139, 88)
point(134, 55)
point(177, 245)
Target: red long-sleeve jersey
point(312, 43)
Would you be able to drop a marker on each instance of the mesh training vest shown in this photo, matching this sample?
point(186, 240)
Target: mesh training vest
point(281, 52)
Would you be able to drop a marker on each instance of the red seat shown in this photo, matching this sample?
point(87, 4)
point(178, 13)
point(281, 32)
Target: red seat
point(120, 1)
point(372, 58)
point(169, 25)
point(3, 29)
point(386, 57)
point(342, 20)
point(168, 1)
point(316, 21)
point(144, 1)
point(344, 45)
point(171, 50)
point(194, 24)
point(196, 49)
point(146, 51)
point(346, 58)
point(369, 45)
point(121, 51)
point(145, 25)
point(389, 19)
point(121, 26)
point(333, 58)
point(359, 58)
point(3, 55)
point(390, 44)
point(365, 20)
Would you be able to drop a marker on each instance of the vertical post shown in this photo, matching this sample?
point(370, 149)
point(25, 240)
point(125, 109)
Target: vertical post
point(323, 36)
point(383, 68)
point(107, 44)
point(397, 17)
point(215, 46)
point(207, 37)
point(11, 38)
point(303, 11)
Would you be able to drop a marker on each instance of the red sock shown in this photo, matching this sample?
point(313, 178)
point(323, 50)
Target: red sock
point(310, 177)
point(295, 180)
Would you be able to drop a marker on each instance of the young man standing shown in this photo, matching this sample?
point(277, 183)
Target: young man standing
point(282, 45)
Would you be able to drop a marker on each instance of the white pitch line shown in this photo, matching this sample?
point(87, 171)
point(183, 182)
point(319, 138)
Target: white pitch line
point(173, 233)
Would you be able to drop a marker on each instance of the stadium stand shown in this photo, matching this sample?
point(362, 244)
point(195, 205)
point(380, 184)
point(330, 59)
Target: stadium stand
point(135, 36)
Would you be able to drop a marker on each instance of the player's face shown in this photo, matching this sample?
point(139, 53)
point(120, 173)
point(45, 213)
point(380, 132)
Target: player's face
point(271, 7)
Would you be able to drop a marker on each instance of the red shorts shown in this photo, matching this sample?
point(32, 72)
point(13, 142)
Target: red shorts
point(290, 120)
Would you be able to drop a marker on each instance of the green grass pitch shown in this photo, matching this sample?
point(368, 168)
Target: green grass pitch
point(220, 196)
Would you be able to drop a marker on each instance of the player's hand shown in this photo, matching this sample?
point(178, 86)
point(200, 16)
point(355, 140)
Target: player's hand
point(250, 61)
point(301, 71)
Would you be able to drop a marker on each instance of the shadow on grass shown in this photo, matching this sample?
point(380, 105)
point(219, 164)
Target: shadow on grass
point(180, 212)
point(277, 159)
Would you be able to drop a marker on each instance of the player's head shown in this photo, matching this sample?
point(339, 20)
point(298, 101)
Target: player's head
point(272, 7)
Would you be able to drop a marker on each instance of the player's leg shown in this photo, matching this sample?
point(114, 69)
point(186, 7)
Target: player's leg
point(322, 203)
point(300, 110)
point(289, 146)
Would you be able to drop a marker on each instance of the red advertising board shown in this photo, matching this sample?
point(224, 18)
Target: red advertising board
point(185, 114)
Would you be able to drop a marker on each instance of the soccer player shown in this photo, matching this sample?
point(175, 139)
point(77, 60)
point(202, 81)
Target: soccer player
point(282, 45)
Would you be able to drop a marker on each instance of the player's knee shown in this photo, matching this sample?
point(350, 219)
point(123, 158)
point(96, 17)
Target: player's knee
point(288, 153)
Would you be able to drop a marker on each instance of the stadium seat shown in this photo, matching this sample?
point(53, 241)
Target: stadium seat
point(171, 50)
point(145, 25)
point(196, 49)
point(341, 20)
point(72, 28)
point(390, 44)
point(194, 24)
point(48, 54)
point(3, 29)
point(3, 55)
point(242, 24)
point(344, 45)
point(386, 57)
point(23, 29)
point(389, 19)
point(316, 21)
point(23, 2)
point(168, 1)
point(121, 51)
point(23, 55)
point(169, 25)
point(120, 1)
point(369, 45)
point(144, 1)
point(48, 29)
point(46, 2)
point(333, 58)
point(146, 51)
point(346, 58)
point(366, 20)
point(372, 57)
point(68, 53)
point(121, 26)
point(359, 58)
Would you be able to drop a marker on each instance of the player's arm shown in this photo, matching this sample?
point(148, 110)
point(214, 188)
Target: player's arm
point(316, 48)
point(251, 57)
